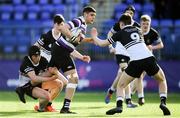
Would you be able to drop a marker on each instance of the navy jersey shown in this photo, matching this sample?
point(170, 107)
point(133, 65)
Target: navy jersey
point(132, 39)
point(46, 40)
point(28, 66)
point(152, 37)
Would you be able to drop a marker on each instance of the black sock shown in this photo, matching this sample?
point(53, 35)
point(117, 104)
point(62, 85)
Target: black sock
point(119, 103)
point(128, 100)
point(163, 100)
point(66, 103)
point(111, 91)
point(49, 104)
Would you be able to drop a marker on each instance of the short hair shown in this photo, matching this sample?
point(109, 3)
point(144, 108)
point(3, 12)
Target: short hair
point(126, 19)
point(131, 7)
point(146, 17)
point(34, 50)
point(89, 9)
point(58, 18)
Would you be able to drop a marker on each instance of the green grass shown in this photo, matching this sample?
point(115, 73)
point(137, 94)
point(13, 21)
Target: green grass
point(86, 105)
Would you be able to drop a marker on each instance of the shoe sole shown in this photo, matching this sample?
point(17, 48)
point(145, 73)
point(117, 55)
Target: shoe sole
point(165, 110)
point(21, 99)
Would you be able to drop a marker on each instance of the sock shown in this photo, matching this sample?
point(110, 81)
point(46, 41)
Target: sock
point(163, 100)
point(140, 95)
point(49, 104)
point(66, 103)
point(111, 90)
point(119, 103)
point(128, 100)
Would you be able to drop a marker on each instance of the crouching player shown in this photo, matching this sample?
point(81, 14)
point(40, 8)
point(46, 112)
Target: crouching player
point(37, 82)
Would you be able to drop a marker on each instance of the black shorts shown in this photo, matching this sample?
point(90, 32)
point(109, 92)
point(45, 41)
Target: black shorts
point(122, 59)
point(149, 65)
point(28, 89)
point(61, 58)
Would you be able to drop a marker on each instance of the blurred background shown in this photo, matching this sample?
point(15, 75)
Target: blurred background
point(23, 21)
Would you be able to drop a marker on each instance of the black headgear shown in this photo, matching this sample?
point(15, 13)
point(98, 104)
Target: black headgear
point(131, 7)
point(34, 50)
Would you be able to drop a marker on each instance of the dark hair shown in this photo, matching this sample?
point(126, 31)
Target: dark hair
point(89, 9)
point(58, 18)
point(34, 50)
point(125, 18)
point(130, 7)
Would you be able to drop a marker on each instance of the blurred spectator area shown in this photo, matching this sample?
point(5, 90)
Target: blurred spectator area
point(23, 21)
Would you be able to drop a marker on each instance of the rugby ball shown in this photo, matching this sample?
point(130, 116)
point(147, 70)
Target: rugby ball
point(75, 32)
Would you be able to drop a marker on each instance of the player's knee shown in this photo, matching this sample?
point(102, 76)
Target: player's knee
point(73, 78)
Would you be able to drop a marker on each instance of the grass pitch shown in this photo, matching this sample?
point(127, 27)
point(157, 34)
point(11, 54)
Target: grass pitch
point(87, 104)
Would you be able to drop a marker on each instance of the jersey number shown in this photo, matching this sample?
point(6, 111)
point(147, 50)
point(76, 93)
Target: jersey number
point(135, 36)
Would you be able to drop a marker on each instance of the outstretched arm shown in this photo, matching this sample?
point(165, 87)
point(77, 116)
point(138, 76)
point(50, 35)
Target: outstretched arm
point(98, 41)
point(78, 55)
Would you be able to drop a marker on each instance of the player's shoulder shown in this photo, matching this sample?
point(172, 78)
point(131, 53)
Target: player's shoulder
point(25, 61)
point(153, 31)
point(47, 34)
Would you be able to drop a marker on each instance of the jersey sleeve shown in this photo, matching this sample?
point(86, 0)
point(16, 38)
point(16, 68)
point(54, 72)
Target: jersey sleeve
point(114, 38)
point(42, 40)
point(75, 23)
point(115, 28)
point(156, 37)
point(26, 67)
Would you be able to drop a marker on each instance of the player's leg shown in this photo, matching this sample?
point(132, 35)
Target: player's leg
point(44, 97)
point(70, 89)
point(124, 80)
point(153, 69)
point(160, 77)
point(112, 89)
point(122, 67)
point(54, 88)
point(129, 102)
point(140, 89)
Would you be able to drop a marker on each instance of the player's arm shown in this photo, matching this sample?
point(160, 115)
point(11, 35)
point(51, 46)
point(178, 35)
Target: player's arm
point(39, 79)
point(78, 55)
point(98, 41)
point(111, 48)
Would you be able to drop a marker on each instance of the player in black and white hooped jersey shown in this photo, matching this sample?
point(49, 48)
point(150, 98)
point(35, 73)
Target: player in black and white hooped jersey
point(34, 76)
point(153, 41)
point(122, 59)
point(65, 46)
point(47, 39)
point(141, 59)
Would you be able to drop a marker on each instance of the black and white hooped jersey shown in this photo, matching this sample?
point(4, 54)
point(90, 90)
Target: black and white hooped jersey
point(132, 39)
point(27, 66)
point(152, 37)
point(77, 22)
point(46, 40)
point(120, 50)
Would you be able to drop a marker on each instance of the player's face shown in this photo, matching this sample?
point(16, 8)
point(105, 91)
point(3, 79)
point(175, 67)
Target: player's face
point(90, 17)
point(129, 12)
point(58, 26)
point(36, 59)
point(145, 25)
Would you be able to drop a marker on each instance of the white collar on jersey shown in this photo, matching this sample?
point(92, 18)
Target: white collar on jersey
point(126, 26)
point(83, 19)
point(33, 62)
point(55, 36)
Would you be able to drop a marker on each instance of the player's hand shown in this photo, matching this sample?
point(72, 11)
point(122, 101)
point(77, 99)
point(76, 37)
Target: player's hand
point(53, 70)
point(112, 50)
point(150, 47)
point(86, 58)
point(94, 32)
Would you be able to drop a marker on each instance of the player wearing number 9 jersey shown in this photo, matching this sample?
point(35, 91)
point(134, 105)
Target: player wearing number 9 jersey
point(141, 59)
